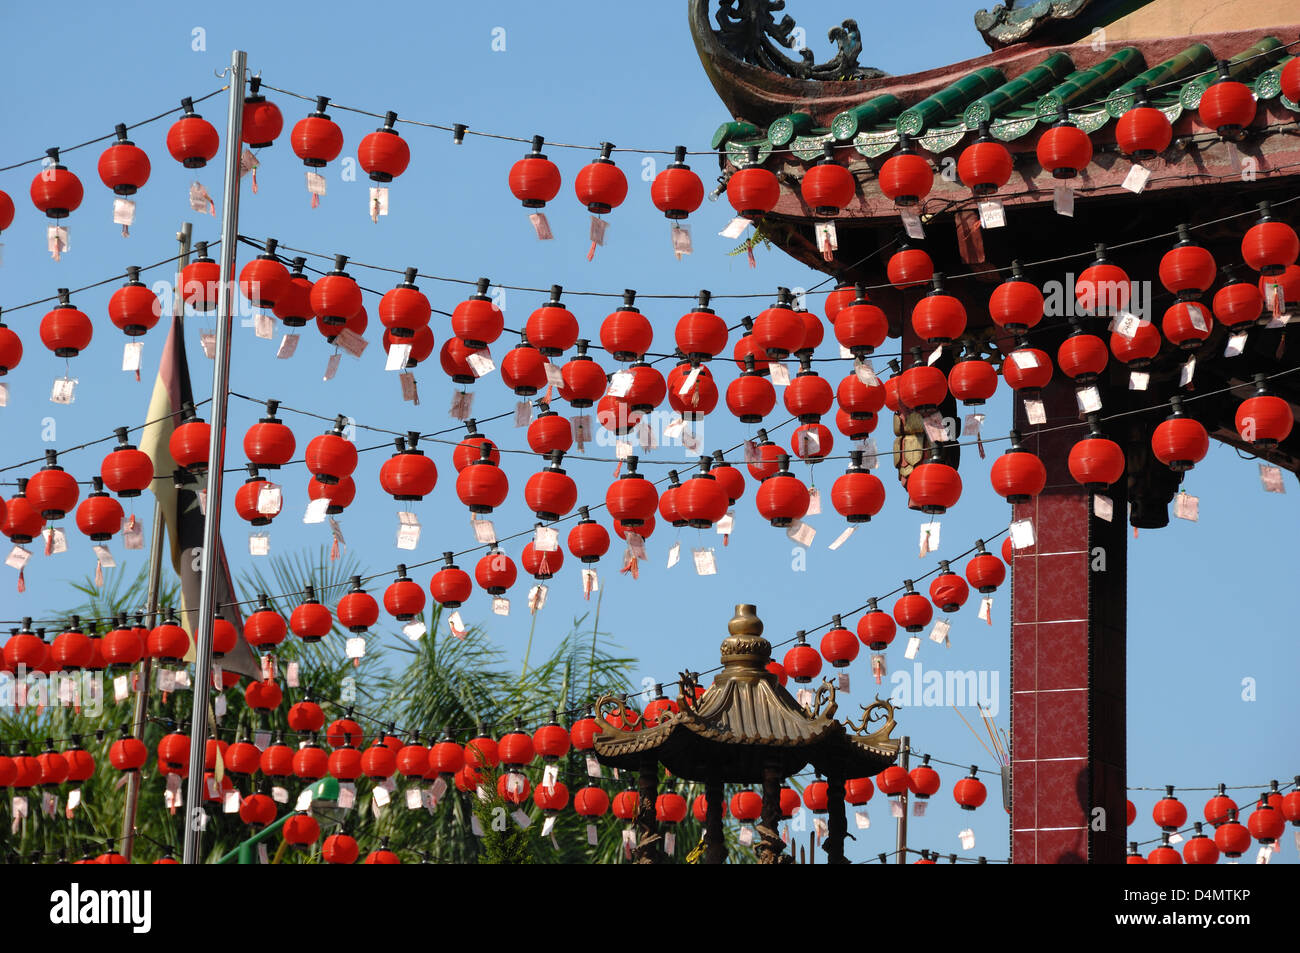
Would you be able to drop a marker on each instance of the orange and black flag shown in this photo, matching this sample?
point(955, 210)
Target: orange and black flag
point(180, 506)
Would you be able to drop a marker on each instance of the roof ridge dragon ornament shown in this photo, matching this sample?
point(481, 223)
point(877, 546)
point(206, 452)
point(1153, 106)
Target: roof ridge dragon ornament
point(750, 30)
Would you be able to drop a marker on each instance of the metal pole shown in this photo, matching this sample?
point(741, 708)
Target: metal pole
point(151, 600)
point(216, 462)
point(906, 749)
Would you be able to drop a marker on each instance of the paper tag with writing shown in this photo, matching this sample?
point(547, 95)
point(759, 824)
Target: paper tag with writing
point(541, 226)
point(4, 393)
point(705, 564)
point(593, 767)
point(624, 449)
point(200, 200)
point(1127, 324)
point(121, 688)
point(56, 540)
point(912, 224)
point(484, 530)
point(1196, 315)
point(862, 819)
point(870, 454)
point(408, 530)
point(414, 630)
point(674, 555)
point(865, 373)
point(968, 836)
point(804, 697)
point(263, 327)
point(934, 356)
point(1063, 200)
point(523, 413)
point(355, 647)
point(554, 376)
point(986, 610)
point(1103, 507)
point(580, 425)
point(681, 235)
point(780, 374)
point(537, 597)
point(845, 353)
point(844, 681)
point(918, 808)
point(1089, 399)
point(500, 605)
point(378, 202)
point(381, 797)
point(843, 538)
point(735, 228)
point(689, 382)
point(827, 239)
point(1188, 371)
point(814, 501)
point(934, 427)
point(1138, 380)
point(269, 499)
point(801, 533)
point(746, 836)
point(230, 803)
point(131, 353)
point(351, 342)
point(18, 557)
point(288, 344)
point(1271, 478)
point(939, 632)
point(620, 384)
point(1187, 507)
point(315, 186)
point(724, 526)
point(456, 625)
point(259, 544)
point(64, 390)
point(480, 362)
point(992, 215)
point(1035, 412)
point(913, 646)
point(1236, 344)
point(546, 539)
point(1136, 180)
point(331, 367)
point(972, 424)
point(1022, 534)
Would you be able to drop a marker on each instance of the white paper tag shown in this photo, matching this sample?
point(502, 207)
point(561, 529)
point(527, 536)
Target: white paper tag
point(259, 544)
point(523, 413)
point(1138, 380)
point(456, 625)
point(1063, 200)
point(746, 836)
point(541, 226)
point(933, 357)
point(1035, 412)
point(1127, 324)
point(896, 808)
point(500, 605)
point(814, 500)
point(1089, 400)
point(986, 610)
point(269, 499)
point(263, 326)
point(992, 215)
point(862, 819)
point(131, 353)
point(934, 427)
point(554, 376)
point(537, 597)
point(620, 384)
point(804, 697)
point(4, 389)
point(689, 382)
point(865, 373)
point(56, 540)
point(827, 239)
point(484, 531)
point(230, 802)
point(918, 808)
point(378, 202)
point(735, 228)
point(843, 538)
point(967, 837)
point(121, 688)
point(546, 539)
point(1187, 507)
point(315, 183)
point(1136, 180)
point(912, 223)
point(623, 449)
point(288, 344)
point(674, 555)
point(331, 367)
point(681, 238)
point(593, 766)
point(355, 647)
point(780, 374)
point(64, 390)
point(1025, 359)
point(351, 342)
point(929, 540)
point(408, 530)
point(1236, 344)
point(1022, 534)
point(291, 675)
point(414, 799)
point(381, 797)
point(939, 632)
point(800, 533)
point(18, 557)
point(705, 564)
point(724, 526)
point(913, 646)
point(200, 200)
point(1196, 315)
point(1271, 478)
point(415, 630)
point(844, 681)
point(480, 362)
point(1187, 373)
point(316, 511)
point(1103, 507)
point(398, 355)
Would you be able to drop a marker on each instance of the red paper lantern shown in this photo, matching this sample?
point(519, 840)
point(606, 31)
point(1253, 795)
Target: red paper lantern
point(535, 179)
point(329, 457)
point(263, 696)
point(985, 165)
point(1266, 822)
point(263, 280)
point(6, 211)
point(51, 490)
point(408, 474)
point(311, 621)
point(133, 308)
point(912, 610)
point(626, 333)
point(1290, 80)
point(923, 780)
point(168, 640)
point(1186, 325)
point(1138, 350)
point(839, 645)
point(985, 571)
point(767, 460)
point(1262, 420)
point(670, 808)
point(906, 177)
point(970, 792)
point(921, 387)
point(481, 751)
point(56, 191)
point(129, 753)
point(541, 565)
point(495, 572)
point(701, 396)
point(972, 381)
point(802, 662)
point(477, 321)
point(1164, 854)
point(668, 510)
point(1064, 150)
point(700, 334)
point(1169, 813)
point(1200, 849)
point(335, 296)
point(827, 187)
point(1238, 304)
point(264, 626)
point(876, 628)
point(340, 495)
point(1187, 269)
point(778, 330)
point(1143, 132)
point(938, 318)
point(1018, 475)
point(122, 646)
point(601, 185)
point(1082, 356)
point(248, 498)
point(1179, 441)
point(552, 329)
point(310, 762)
point(11, 349)
point(782, 498)
point(1103, 288)
point(677, 191)
point(751, 396)
point(383, 153)
point(446, 757)
point(340, 849)
point(403, 599)
point(1270, 246)
point(316, 139)
point(948, 590)
point(1016, 304)
point(809, 395)
point(859, 399)
point(731, 479)
point(860, 326)
point(551, 493)
point(752, 190)
point(293, 305)
point(99, 516)
point(482, 485)
point(590, 801)
point(1227, 106)
point(907, 268)
point(892, 781)
point(747, 347)
point(71, 649)
point(65, 330)
point(583, 379)
point(450, 586)
point(632, 498)
point(262, 122)
point(746, 806)
point(811, 442)
point(405, 310)
point(269, 443)
point(933, 486)
point(1095, 461)
point(192, 140)
point(703, 499)
point(357, 611)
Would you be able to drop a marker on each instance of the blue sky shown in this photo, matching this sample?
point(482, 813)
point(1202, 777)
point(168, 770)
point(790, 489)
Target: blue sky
point(1204, 598)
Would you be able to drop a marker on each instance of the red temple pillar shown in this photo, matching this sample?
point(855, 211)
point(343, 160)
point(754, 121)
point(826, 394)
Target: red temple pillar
point(1067, 660)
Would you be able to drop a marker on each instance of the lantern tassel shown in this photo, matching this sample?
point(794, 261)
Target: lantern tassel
point(99, 575)
point(22, 583)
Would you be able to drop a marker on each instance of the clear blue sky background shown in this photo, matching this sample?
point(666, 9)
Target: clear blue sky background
point(1207, 601)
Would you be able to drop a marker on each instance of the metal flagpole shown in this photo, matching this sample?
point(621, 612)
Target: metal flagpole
point(905, 749)
point(194, 792)
point(151, 600)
